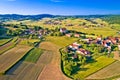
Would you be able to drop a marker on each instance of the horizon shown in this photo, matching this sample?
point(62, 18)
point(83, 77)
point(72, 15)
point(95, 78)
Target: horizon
point(62, 15)
point(60, 7)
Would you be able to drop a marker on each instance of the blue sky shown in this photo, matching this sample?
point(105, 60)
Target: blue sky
point(60, 7)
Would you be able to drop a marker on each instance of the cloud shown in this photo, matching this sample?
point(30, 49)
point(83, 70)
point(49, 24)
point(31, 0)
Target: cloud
point(57, 1)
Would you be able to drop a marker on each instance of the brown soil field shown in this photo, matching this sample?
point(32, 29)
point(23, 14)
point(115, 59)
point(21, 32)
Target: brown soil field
point(26, 70)
point(107, 72)
point(52, 71)
point(9, 58)
point(2, 48)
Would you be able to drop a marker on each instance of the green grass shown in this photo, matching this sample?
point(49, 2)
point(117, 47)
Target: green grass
point(4, 41)
point(29, 41)
point(108, 73)
point(104, 31)
point(8, 45)
point(33, 55)
point(61, 41)
point(91, 68)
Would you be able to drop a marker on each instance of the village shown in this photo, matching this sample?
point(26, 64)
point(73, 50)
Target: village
point(107, 43)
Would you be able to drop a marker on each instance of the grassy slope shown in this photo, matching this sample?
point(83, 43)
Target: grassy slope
point(8, 46)
point(29, 42)
point(109, 71)
point(33, 55)
point(92, 30)
point(4, 41)
point(61, 41)
point(104, 31)
point(91, 68)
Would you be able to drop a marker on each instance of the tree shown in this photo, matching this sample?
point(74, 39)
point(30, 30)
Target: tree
point(9, 32)
point(57, 29)
point(79, 58)
point(37, 28)
point(60, 34)
point(68, 69)
point(83, 61)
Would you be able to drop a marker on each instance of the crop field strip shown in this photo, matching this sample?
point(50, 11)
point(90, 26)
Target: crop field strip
point(33, 55)
point(110, 71)
point(27, 70)
point(53, 68)
point(8, 45)
point(4, 41)
point(101, 62)
point(9, 58)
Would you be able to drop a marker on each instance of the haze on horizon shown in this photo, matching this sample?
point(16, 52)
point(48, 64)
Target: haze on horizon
point(60, 7)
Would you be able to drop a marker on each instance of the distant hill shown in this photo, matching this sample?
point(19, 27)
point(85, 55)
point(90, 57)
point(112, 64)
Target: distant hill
point(108, 18)
point(112, 19)
point(22, 17)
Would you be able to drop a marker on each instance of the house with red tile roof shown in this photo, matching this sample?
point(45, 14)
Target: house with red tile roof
point(77, 35)
point(63, 30)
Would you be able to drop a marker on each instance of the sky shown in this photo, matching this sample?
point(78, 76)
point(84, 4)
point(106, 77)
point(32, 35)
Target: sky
point(60, 7)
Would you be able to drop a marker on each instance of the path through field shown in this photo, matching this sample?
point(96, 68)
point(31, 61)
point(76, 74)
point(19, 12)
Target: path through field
point(52, 71)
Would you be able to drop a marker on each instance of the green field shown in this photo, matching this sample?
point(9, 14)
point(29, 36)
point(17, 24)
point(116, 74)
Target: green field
point(108, 72)
point(29, 42)
point(76, 26)
point(4, 41)
point(61, 41)
point(91, 68)
point(32, 70)
point(33, 55)
point(97, 30)
point(8, 45)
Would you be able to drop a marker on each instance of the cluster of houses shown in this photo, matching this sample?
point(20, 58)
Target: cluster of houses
point(40, 32)
point(51, 22)
point(77, 48)
point(106, 42)
point(66, 32)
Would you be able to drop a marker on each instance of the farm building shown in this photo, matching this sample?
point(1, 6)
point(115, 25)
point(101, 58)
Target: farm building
point(63, 30)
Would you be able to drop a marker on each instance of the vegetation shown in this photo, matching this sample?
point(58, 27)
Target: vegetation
point(89, 69)
point(9, 45)
point(113, 19)
point(61, 41)
point(108, 72)
point(4, 41)
point(32, 29)
point(33, 55)
point(29, 42)
point(83, 67)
